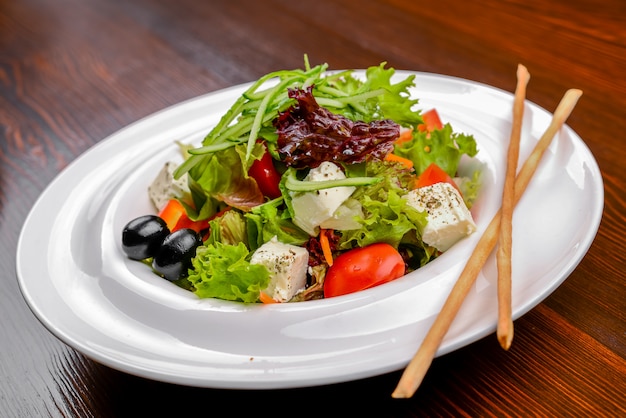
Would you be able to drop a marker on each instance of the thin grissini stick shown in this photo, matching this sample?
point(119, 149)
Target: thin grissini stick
point(418, 366)
point(505, 321)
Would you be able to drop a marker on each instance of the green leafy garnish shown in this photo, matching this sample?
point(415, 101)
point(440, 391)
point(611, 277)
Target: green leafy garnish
point(440, 146)
point(387, 216)
point(252, 114)
point(269, 220)
point(224, 272)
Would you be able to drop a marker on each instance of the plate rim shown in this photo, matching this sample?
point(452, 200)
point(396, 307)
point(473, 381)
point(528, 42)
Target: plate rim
point(251, 384)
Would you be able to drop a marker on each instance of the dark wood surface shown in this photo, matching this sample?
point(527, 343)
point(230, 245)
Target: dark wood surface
point(74, 71)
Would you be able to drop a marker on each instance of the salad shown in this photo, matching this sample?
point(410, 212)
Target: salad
point(313, 184)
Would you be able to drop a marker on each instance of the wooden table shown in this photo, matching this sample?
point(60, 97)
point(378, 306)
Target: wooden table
point(73, 72)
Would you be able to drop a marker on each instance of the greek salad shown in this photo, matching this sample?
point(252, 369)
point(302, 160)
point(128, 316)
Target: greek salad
point(314, 184)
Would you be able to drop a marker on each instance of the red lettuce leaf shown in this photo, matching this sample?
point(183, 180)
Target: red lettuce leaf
point(309, 134)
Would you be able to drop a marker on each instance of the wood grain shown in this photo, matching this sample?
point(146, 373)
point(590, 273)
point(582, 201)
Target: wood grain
point(73, 72)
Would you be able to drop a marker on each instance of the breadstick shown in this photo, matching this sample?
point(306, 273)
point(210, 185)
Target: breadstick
point(418, 366)
point(505, 322)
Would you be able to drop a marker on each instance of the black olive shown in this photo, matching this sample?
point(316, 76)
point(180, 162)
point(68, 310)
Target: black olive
point(173, 257)
point(142, 237)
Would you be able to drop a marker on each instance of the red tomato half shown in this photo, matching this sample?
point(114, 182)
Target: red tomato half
point(432, 175)
point(266, 176)
point(362, 268)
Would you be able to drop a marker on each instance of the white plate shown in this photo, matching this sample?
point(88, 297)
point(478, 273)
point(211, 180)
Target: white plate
point(77, 281)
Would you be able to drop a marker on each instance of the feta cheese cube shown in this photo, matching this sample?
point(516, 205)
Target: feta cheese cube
point(449, 219)
point(287, 265)
point(311, 209)
point(166, 187)
point(344, 217)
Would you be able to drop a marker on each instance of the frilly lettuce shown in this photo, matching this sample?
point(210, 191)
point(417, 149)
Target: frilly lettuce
point(229, 228)
point(224, 272)
point(222, 176)
point(266, 221)
point(442, 147)
point(388, 217)
point(375, 97)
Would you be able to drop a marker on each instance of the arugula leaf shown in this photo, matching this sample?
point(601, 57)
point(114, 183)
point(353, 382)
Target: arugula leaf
point(374, 98)
point(252, 115)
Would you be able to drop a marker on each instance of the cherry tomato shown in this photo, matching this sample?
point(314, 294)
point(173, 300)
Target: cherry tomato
point(434, 174)
point(266, 176)
point(362, 268)
point(176, 218)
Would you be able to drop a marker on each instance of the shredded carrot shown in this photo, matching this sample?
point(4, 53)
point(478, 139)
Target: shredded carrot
point(265, 298)
point(393, 157)
point(328, 254)
point(405, 136)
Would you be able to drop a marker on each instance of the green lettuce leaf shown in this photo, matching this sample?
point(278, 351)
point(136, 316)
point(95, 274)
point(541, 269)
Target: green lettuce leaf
point(221, 176)
point(229, 228)
point(388, 222)
point(470, 187)
point(376, 97)
point(442, 146)
point(224, 272)
point(267, 220)
point(388, 218)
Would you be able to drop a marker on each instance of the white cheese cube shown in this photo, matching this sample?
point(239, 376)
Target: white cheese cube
point(311, 209)
point(166, 187)
point(449, 219)
point(287, 265)
point(344, 218)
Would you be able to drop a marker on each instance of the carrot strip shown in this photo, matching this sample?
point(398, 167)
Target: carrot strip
point(325, 243)
point(265, 298)
point(405, 136)
point(396, 158)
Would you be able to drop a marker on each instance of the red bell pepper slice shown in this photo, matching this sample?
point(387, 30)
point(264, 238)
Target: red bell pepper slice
point(175, 216)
